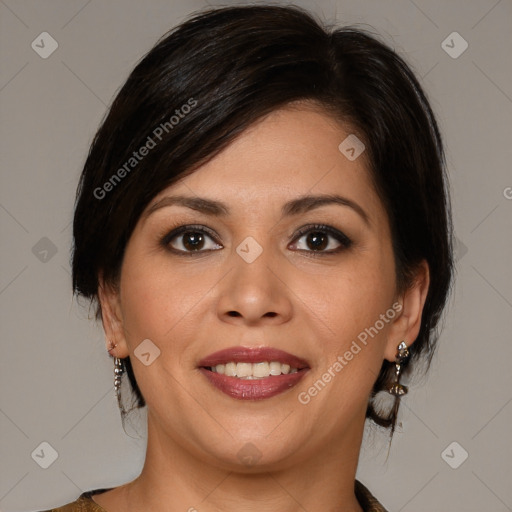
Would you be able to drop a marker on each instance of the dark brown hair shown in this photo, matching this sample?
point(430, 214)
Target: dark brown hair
point(231, 66)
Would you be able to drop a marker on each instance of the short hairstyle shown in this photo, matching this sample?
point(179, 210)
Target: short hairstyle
point(208, 80)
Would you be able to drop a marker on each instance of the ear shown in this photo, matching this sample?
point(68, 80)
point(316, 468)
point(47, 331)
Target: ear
point(406, 326)
point(112, 319)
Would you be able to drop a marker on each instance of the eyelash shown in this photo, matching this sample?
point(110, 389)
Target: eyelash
point(343, 239)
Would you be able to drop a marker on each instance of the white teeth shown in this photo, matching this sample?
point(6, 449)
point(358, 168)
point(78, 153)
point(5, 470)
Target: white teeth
point(275, 368)
point(250, 371)
point(230, 369)
point(243, 369)
point(260, 369)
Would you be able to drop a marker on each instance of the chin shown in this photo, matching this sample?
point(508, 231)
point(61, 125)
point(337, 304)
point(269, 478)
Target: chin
point(257, 453)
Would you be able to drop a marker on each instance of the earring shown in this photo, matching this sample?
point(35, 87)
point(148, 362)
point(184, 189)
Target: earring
point(402, 355)
point(118, 373)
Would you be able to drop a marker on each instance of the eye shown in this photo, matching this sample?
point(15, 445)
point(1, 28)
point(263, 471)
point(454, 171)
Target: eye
point(190, 239)
point(317, 239)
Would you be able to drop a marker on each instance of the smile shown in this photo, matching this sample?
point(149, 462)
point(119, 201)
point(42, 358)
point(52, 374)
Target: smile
point(253, 373)
point(250, 371)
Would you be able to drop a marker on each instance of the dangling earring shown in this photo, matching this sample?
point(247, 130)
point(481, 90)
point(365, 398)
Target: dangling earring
point(118, 373)
point(402, 354)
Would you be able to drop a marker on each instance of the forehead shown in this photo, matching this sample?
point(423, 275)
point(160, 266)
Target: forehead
point(290, 152)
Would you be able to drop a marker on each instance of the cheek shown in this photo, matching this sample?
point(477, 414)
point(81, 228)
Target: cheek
point(154, 300)
point(354, 308)
point(156, 305)
point(350, 299)
point(166, 305)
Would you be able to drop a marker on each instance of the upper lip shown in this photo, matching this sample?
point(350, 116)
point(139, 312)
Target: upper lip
point(252, 355)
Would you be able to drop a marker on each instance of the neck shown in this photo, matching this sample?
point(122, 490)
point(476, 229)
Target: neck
point(173, 480)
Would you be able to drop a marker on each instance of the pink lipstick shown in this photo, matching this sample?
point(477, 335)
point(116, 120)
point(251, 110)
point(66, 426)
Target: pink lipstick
point(253, 373)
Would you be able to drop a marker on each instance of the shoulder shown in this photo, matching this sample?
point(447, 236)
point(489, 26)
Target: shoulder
point(366, 499)
point(84, 503)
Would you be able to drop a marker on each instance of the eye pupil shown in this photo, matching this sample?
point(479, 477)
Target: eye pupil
point(318, 240)
point(193, 241)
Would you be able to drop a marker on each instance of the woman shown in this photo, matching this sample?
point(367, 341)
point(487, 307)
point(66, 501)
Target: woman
point(263, 222)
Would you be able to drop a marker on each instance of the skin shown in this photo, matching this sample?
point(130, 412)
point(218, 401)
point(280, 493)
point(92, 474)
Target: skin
point(312, 307)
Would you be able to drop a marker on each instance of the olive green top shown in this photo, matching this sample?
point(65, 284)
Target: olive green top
point(85, 502)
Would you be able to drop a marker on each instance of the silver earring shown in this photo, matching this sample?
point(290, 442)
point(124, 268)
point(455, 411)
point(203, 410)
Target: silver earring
point(118, 373)
point(402, 355)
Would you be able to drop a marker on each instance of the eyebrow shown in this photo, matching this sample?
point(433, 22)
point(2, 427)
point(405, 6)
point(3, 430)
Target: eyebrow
point(296, 206)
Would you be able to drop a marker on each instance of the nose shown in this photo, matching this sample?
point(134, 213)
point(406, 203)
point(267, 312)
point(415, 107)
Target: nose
point(255, 293)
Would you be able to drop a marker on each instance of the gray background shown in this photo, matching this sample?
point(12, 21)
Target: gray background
point(56, 378)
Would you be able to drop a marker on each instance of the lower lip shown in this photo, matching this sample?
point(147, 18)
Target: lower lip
point(253, 389)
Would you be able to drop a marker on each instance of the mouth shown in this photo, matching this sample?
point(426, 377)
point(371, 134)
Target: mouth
point(253, 373)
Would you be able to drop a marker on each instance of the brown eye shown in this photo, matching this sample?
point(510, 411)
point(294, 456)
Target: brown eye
point(317, 241)
point(189, 239)
point(321, 239)
point(193, 241)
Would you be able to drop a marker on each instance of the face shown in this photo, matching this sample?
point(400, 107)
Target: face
point(264, 281)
